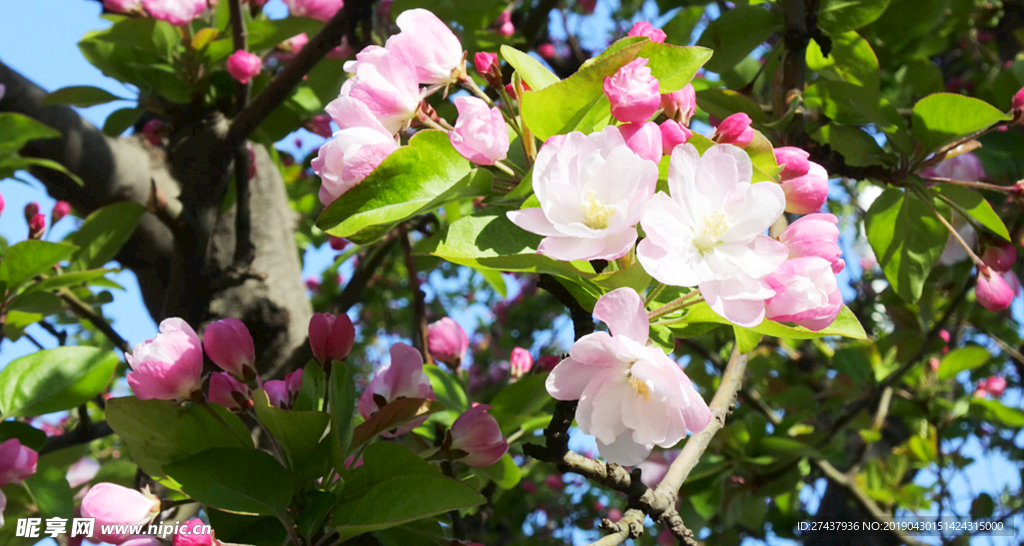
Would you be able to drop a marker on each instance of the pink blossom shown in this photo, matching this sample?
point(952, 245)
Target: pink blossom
point(793, 161)
point(175, 12)
point(734, 130)
point(60, 210)
point(633, 92)
point(2, 203)
point(673, 133)
point(337, 243)
point(520, 363)
point(169, 366)
point(806, 293)
point(243, 66)
point(709, 231)
point(631, 396)
point(228, 391)
point(547, 51)
point(291, 46)
point(480, 134)
point(196, 535)
point(504, 24)
point(1017, 104)
point(384, 88)
point(282, 392)
point(429, 45)
point(965, 167)
point(82, 472)
point(806, 194)
point(17, 462)
point(476, 433)
point(993, 292)
point(229, 345)
point(354, 152)
point(112, 504)
point(654, 468)
point(592, 189)
point(815, 235)
point(994, 385)
point(485, 62)
point(644, 139)
point(954, 252)
point(315, 9)
point(37, 226)
point(680, 105)
point(152, 131)
point(319, 125)
point(123, 6)
point(643, 28)
point(1000, 257)
point(447, 341)
point(403, 377)
point(331, 336)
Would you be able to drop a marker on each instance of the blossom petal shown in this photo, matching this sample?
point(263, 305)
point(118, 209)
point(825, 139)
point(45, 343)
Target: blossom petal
point(623, 450)
point(623, 311)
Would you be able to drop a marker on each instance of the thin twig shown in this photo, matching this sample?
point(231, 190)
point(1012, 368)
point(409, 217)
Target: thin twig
point(84, 311)
point(419, 308)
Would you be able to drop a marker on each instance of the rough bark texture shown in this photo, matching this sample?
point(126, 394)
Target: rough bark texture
point(181, 276)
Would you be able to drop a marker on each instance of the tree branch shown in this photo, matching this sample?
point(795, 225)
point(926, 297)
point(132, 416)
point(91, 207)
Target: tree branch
point(80, 435)
point(419, 308)
point(84, 311)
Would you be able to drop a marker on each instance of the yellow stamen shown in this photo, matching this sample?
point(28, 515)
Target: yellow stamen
point(597, 214)
point(640, 387)
point(715, 225)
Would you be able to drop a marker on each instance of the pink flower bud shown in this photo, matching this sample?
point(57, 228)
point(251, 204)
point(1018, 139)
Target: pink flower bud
point(447, 341)
point(123, 6)
point(993, 292)
point(31, 210)
point(199, 534)
point(529, 487)
point(805, 293)
point(734, 130)
point(961, 167)
point(430, 46)
point(554, 482)
point(17, 462)
point(37, 226)
point(1017, 104)
point(337, 243)
point(793, 161)
point(680, 105)
point(588, 6)
point(944, 336)
point(673, 133)
point(331, 336)
point(111, 504)
point(480, 134)
point(520, 362)
point(485, 62)
point(815, 235)
point(504, 24)
point(82, 472)
point(643, 138)
point(169, 366)
point(1000, 257)
point(175, 12)
point(547, 363)
point(934, 364)
point(806, 194)
point(546, 51)
point(643, 28)
point(319, 125)
point(228, 391)
point(313, 284)
point(477, 433)
point(287, 49)
point(60, 210)
point(282, 392)
point(633, 92)
point(994, 385)
point(615, 514)
point(152, 131)
point(314, 9)
point(243, 66)
point(2, 203)
point(403, 377)
point(229, 345)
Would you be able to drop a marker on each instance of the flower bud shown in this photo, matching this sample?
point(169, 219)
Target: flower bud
point(546, 363)
point(1000, 257)
point(993, 292)
point(331, 336)
point(504, 24)
point(477, 434)
point(680, 105)
point(197, 534)
point(37, 226)
point(673, 133)
point(633, 92)
point(643, 28)
point(2, 203)
point(806, 194)
point(229, 345)
point(447, 341)
point(994, 385)
point(488, 66)
point(228, 391)
point(243, 66)
point(734, 130)
point(60, 210)
point(547, 51)
point(815, 235)
point(169, 366)
point(793, 161)
point(113, 505)
point(430, 46)
point(283, 392)
point(961, 167)
point(337, 243)
point(313, 284)
point(315, 9)
point(31, 210)
point(554, 482)
point(520, 362)
point(480, 134)
point(643, 138)
point(1017, 104)
point(152, 131)
point(123, 6)
point(319, 125)
point(403, 377)
point(17, 462)
point(82, 472)
point(805, 293)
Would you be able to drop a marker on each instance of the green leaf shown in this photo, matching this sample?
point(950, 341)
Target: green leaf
point(412, 180)
point(27, 259)
point(519, 402)
point(43, 303)
point(16, 130)
point(996, 413)
point(850, 104)
point(313, 388)
point(943, 117)
point(341, 396)
point(535, 74)
point(907, 238)
point(298, 432)
point(723, 103)
point(851, 59)
point(673, 65)
point(158, 432)
point(145, 34)
point(28, 435)
point(746, 339)
point(68, 279)
point(268, 33)
point(964, 358)
point(975, 205)
point(238, 480)
point(10, 164)
point(204, 37)
point(448, 391)
point(318, 505)
point(393, 415)
point(51, 492)
point(845, 325)
point(735, 34)
point(858, 148)
point(504, 473)
point(120, 120)
point(252, 530)
point(54, 380)
point(837, 16)
point(82, 96)
point(103, 233)
point(401, 500)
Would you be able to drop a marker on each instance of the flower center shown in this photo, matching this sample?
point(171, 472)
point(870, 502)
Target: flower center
point(597, 215)
point(715, 225)
point(640, 387)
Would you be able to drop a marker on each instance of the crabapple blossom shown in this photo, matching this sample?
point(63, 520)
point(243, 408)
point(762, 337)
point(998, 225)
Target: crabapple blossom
point(195, 535)
point(243, 66)
point(734, 130)
point(384, 86)
point(37, 226)
point(355, 151)
point(631, 395)
point(815, 235)
point(315, 9)
point(169, 366)
point(229, 345)
point(403, 377)
point(337, 243)
point(113, 505)
point(673, 133)
point(82, 472)
point(429, 45)
point(480, 134)
point(223, 390)
point(633, 92)
point(476, 433)
point(993, 291)
point(806, 193)
point(643, 28)
point(123, 6)
point(504, 24)
point(547, 51)
point(484, 62)
point(282, 392)
point(708, 232)
point(994, 385)
point(966, 167)
point(520, 362)
point(1017, 103)
point(592, 189)
point(60, 210)
point(643, 138)
point(291, 46)
point(1000, 257)
point(680, 105)
point(654, 468)
point(793, 161)
point(31, 210)
point(17, 462)
point(954, 252)
point(2, 204)
point(331, 336)
point(175, 12)
point(806, 293)
point(447, 341)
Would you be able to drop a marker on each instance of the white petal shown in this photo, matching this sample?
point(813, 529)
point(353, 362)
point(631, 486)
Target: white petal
point(623, 311)
point(532, 220)
point(569, 379)
point(623, 450)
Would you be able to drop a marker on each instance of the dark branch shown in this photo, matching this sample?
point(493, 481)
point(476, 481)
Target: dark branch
point(80, 435)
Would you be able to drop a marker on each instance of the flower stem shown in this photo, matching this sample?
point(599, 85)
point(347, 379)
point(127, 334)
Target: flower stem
point(468, 83)
point(675, 305)
point(952, 230)
point(653, 293)
point(969, 184)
